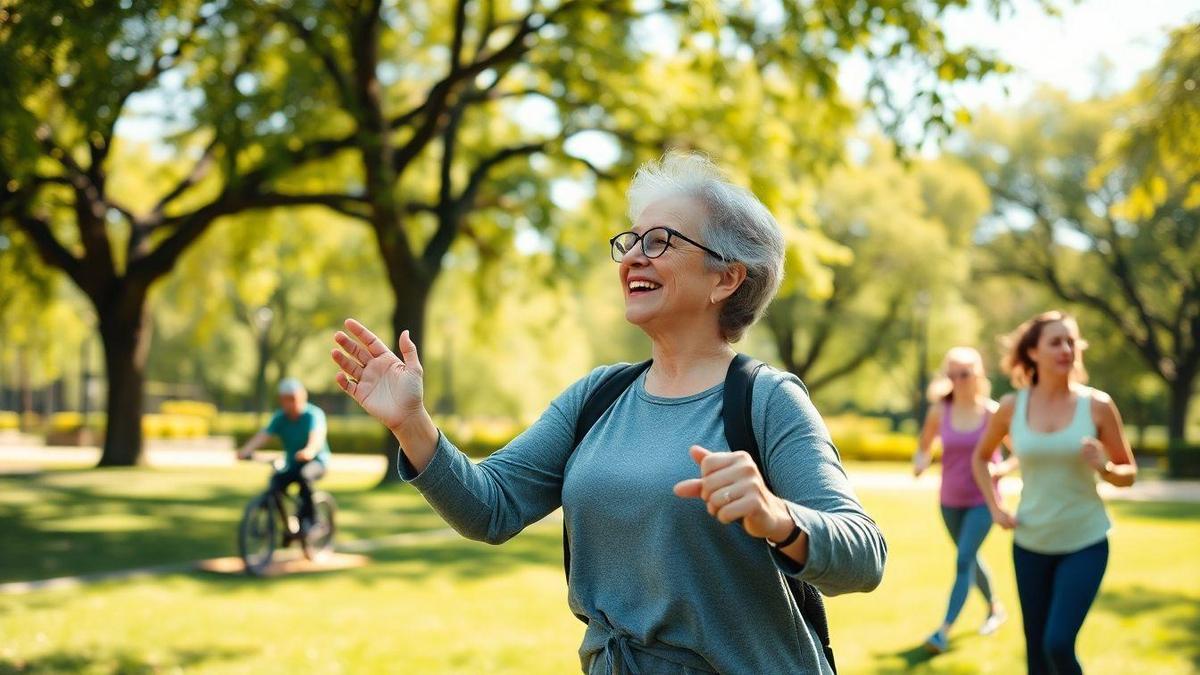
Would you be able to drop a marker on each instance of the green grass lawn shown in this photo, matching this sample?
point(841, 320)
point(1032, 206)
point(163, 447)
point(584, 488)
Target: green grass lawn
point(463, 607)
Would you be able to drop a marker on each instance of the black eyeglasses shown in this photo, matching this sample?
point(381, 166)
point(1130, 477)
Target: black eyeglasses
point(655, 242)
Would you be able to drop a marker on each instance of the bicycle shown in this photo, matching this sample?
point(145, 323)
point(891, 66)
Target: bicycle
point(269, 513)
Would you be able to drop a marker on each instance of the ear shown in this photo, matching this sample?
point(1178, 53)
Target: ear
point(730, 280)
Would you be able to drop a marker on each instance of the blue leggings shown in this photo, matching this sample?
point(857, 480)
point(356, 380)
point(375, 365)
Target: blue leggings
point(1056, 592)
point(968, 527)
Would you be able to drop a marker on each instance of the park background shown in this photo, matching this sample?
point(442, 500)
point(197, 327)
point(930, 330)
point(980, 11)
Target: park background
point(193, 195)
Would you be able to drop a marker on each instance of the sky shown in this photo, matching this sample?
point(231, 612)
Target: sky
point(1064, 51)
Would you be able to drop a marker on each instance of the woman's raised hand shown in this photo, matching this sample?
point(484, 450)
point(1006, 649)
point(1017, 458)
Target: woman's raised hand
point(388, 388)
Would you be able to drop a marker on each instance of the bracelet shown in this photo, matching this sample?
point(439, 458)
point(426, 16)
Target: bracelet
point(791, 538)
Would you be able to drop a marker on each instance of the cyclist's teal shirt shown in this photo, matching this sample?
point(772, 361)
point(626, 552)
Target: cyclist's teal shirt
point(294, 433)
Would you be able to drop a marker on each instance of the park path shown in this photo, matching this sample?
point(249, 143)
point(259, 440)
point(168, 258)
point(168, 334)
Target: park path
point(29, 458)
point(17, 459)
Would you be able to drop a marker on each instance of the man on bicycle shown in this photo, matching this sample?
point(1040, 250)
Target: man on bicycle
point(300, 427)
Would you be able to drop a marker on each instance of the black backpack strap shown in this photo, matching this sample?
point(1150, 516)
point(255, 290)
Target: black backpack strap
point(598, 401)
point(736, 412)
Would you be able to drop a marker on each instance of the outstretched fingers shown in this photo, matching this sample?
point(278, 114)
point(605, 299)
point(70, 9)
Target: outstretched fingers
point(374, 346)
point(347, 385)
point(408, 352)
point(352, 368)
point(352, 347)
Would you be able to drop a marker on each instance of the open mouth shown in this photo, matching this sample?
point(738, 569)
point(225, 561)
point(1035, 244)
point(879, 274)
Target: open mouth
point(639, 287)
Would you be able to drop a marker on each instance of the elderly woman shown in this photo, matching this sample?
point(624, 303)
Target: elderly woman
point(665, 579)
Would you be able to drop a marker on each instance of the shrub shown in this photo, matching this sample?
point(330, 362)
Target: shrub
point(876, 446)
point(64, 421)
point(201, 409)
point(174, 426)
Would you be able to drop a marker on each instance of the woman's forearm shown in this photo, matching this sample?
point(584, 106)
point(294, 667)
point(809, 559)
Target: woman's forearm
point(1120, 475)
point(418, 438)
point(983, 478)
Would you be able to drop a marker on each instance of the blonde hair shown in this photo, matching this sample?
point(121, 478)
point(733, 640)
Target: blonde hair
point(942, 387)
point(1021, 369)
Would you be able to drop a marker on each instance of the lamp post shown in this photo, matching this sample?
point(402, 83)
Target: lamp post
point(262, 324)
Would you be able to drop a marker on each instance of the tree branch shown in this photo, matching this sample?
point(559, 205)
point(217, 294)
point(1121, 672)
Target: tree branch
point(198, 172)
point(189, 227)
point(854, 362)
point(324, 53)
point(49, 247)
point(435, 102)
point(450, 216)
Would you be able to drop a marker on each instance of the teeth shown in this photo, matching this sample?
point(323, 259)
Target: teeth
point(648, 285)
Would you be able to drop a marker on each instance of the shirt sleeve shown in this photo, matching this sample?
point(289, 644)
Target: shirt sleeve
point(846, 550)
point(273, 426)
point(517, 485)
point(316, 419)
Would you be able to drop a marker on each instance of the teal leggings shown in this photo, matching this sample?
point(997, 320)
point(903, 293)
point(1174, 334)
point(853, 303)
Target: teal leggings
point(968, 527)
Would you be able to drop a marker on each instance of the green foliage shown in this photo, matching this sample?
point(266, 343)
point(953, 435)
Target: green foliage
point(894, 221)
point(1079, 227)
point(310, 269)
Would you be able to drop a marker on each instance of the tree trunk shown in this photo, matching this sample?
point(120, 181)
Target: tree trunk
point(1180, 397)
point(126, 339)
point(409, 314)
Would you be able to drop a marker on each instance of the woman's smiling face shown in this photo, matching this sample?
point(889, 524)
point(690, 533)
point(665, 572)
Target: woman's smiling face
point(677, 284)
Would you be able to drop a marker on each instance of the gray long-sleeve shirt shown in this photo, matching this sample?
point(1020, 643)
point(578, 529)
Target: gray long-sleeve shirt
point(664, 584)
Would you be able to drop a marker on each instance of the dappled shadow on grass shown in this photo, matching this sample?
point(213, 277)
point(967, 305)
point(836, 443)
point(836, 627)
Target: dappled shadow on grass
point(1178, 614)
point(77, 522)
point(463, 560)
point(914, 657)
point(1157, 510)
point(124, 661)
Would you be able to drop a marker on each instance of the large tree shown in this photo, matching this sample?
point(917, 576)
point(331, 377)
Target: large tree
point(1090, 218)
point(409, 116)
point(451, 109)
point(116, 224)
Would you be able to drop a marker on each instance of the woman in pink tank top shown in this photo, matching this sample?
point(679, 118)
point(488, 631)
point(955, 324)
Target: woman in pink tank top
point(958, 416)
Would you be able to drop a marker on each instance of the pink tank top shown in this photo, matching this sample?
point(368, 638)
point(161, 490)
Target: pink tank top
point(958, 484)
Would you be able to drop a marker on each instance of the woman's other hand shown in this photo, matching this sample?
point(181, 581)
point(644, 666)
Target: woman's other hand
point(733, 489)
point(388, 388)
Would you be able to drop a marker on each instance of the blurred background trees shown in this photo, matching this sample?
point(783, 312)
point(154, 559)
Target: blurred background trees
point(209, 188)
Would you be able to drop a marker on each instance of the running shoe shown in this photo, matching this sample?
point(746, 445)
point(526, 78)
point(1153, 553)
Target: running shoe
point(992, 623)
point(937, 643)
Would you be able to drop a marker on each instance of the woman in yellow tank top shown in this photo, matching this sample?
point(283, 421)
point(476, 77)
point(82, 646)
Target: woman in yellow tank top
point(1066, 436)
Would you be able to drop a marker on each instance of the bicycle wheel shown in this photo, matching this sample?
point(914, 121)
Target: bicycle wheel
point(319, 541)
point(256, 535)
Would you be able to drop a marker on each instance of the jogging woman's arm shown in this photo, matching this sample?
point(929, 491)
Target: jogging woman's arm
point(929, 431)
point(997, 429)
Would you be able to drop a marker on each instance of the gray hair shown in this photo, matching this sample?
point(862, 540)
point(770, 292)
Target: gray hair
point(290, 385)
point(738, 227)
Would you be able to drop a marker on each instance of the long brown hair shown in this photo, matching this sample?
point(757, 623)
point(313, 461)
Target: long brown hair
point(1021, 369)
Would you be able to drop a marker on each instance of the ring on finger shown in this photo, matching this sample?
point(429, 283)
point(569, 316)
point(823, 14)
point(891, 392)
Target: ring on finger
point(728, 496)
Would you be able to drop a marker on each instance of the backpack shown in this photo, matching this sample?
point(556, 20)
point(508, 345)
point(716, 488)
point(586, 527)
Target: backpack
point(735, 411)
